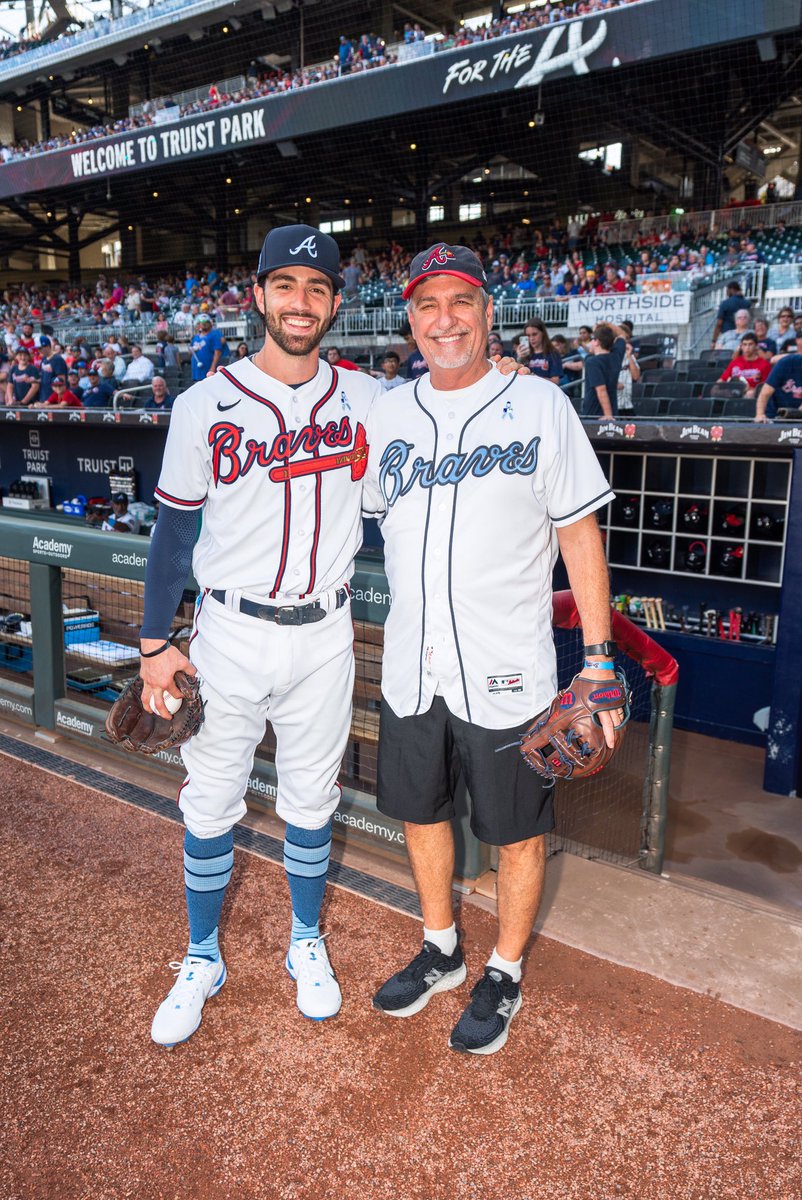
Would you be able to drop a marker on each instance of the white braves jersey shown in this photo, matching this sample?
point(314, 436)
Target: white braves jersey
point(472, 484)
point(276, 471)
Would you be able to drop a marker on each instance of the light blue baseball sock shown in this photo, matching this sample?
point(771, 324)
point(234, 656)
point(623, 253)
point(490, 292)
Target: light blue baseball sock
point(208, 863)
point(306, 861)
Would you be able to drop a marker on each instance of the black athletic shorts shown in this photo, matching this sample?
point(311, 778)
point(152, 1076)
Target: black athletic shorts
point(427, 760)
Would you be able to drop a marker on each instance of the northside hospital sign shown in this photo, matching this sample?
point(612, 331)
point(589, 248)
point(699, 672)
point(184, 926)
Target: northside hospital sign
point(576, 48)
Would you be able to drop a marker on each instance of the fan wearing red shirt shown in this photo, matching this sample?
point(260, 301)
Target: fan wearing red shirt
point(335, 359)
point(61, 396)
point(748, 365)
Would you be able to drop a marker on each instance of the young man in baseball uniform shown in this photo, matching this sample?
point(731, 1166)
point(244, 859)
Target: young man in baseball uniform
point(271, 450)
point(477, 479)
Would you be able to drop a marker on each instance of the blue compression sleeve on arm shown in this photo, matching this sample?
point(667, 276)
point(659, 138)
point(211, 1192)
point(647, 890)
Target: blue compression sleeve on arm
point(169, 561)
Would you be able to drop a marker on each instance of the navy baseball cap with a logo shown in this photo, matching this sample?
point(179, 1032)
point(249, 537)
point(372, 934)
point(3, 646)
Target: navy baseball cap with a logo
point(442, 259)
point(301, 246)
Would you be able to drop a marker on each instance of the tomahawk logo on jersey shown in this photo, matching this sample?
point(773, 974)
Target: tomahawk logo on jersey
point(276, 470)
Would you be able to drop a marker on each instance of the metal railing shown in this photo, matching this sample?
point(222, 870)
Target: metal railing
point(711, 221)
point(237, 83)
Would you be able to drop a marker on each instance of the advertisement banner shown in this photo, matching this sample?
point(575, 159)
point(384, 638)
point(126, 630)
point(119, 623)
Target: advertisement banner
point(641, 308)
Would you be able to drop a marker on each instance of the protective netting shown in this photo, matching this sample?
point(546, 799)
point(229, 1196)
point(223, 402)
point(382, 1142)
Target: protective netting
point(557, 139)
point(16, 656)
point(102, 616)
point(602, 816)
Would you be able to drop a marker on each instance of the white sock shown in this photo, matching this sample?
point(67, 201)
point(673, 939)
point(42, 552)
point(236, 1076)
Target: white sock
point(444, 939)
point(513, 969)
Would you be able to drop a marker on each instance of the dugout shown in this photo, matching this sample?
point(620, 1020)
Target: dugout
point(729, 621)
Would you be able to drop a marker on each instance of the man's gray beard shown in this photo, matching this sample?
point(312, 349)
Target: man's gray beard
point(293, 343)
point(450, 363)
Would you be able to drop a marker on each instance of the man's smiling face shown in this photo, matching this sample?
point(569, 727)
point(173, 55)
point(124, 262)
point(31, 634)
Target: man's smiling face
point(449, 322)
point(298, 305)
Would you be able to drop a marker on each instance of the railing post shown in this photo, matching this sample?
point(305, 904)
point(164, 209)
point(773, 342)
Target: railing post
point(47, 635)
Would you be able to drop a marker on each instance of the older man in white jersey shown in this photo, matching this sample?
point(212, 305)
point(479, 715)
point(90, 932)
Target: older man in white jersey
point(477, 480)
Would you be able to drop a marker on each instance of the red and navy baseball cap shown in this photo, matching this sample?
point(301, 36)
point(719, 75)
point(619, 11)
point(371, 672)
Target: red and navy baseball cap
point(301, 246)
point(442, 259)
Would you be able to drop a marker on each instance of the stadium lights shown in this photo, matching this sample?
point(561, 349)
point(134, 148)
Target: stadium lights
point(772, 149)
point(50, 214)
point(236, 212)
point(19, 108)
point(146, 46)
point(225, 29)
point(51, 78)
point(130, 229)
point(346, 201)
point(308, 199)
point(155, 195)
point(413, 145)
point(228, 179)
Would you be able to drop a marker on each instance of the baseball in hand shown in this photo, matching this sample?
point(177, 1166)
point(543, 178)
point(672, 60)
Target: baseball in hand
point(171, 703)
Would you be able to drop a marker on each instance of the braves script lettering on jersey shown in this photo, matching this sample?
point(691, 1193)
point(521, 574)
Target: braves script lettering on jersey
point(471, 485)
point(276, 470)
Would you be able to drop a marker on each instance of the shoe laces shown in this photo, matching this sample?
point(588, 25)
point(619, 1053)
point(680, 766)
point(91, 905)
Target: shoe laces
point(312, 961)
point(486, 996)
point(422, 962)
point(192, 976)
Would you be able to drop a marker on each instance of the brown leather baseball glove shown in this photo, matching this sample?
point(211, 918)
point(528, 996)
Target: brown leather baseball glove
point(567, 740)
point(135, 728)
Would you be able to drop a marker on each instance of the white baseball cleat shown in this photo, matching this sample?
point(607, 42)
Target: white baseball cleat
point(179, 1015)
point(319, 994)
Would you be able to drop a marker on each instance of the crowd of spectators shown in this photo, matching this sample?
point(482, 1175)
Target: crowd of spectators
point(352, 54)
point(550, 263)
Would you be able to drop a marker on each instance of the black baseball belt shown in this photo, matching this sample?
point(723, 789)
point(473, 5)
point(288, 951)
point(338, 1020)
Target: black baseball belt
point(286, 614)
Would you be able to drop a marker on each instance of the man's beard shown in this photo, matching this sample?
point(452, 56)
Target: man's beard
point(296, 344)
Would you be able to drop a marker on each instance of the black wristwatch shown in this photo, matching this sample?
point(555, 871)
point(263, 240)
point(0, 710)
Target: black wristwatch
point(608, 649)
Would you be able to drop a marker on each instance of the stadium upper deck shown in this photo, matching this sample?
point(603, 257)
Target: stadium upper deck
point(678, 87)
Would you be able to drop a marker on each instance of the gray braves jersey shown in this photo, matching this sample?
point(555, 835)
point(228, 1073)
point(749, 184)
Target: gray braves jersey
point(471, 485)
point(276, 470)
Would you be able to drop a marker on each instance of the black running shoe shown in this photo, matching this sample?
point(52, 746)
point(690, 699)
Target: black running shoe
point(484, 1026)
point(410, 990)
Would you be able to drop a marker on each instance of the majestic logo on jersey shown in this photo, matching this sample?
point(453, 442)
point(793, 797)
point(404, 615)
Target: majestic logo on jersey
point(515, 459)
point(438, 257)
point(233, 456)
point(308, 244)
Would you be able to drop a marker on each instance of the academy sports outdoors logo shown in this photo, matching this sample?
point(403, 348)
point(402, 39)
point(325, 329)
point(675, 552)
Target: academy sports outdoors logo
point(438, 258)
point(308, 244)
